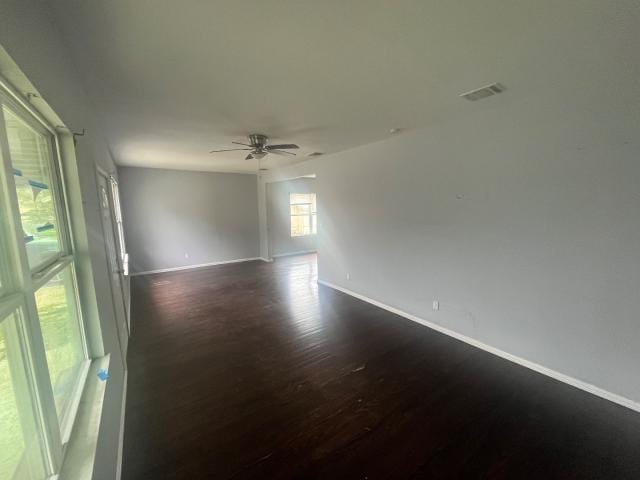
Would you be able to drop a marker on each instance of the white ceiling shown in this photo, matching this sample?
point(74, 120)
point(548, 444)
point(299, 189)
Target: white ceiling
point(175, 79)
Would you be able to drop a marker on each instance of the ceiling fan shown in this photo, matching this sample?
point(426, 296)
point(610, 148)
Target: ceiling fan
point(258, 147)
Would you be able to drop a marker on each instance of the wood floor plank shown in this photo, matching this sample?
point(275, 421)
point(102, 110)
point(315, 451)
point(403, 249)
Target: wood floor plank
point(253, 371)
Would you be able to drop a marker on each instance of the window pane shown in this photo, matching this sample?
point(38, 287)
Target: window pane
point(301, 209)
point(314, 224)
point(303, 213)
point(11, 440)
point(30, 158)
point(62, 336)
point(19, 442)
point(300, 226)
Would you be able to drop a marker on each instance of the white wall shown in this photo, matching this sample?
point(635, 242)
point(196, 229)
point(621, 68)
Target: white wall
point(282, 243)
point(28, 35)
point(520, 215)
point(175, 218)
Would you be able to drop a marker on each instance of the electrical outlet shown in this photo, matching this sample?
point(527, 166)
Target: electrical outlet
point(436, 305)
point(186, 255)
point(348, 276)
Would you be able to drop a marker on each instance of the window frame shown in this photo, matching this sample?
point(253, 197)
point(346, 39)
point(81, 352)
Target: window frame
point(20, 282)
point(6, 283)
point(312, 213)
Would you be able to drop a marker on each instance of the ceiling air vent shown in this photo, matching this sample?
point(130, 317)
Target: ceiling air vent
point(315, 154)
point(487, 91)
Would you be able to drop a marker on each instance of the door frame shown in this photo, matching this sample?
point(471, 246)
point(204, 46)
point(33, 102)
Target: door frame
point(101, 172)
point(123, 267)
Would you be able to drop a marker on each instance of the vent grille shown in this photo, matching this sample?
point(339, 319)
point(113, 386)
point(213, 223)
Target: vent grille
point(315, 154)
point(483, 92)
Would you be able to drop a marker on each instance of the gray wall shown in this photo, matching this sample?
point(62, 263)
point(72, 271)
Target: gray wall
point(520, 215)
point(175, 218)
point(282, 243)
point(31, 39)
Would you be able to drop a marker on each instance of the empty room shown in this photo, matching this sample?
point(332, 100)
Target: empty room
point(293, 239)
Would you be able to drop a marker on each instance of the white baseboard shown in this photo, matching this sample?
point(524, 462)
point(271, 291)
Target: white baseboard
point(291, 254)
point(587, 387)
point(191, 267)
point(268, 260)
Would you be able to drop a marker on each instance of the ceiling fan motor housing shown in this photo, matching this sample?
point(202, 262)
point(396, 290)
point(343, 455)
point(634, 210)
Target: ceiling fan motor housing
point(257, 140)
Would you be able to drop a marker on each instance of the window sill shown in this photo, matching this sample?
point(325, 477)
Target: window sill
point(80, 452)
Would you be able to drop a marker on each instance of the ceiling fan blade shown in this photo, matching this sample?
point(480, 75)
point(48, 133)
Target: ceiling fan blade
point(248, 157)
point(281, 152)
point(245, 144)
point(229, 150)
point(283, 146)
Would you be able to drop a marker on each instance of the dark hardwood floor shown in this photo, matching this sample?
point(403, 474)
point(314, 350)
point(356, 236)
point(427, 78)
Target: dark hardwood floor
point(252, 370)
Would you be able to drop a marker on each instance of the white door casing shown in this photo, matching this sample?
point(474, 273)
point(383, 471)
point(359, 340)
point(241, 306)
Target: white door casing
point(116, 272)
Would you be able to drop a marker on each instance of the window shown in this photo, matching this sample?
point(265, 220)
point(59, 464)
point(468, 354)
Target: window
point(303, 214)
point(63, 342)
point(20, 442)
point(30, 161)
point(43, 354)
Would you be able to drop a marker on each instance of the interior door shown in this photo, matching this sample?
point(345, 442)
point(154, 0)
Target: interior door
point(116, 272)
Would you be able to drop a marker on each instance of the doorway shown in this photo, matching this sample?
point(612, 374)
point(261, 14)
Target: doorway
point(291, 217)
